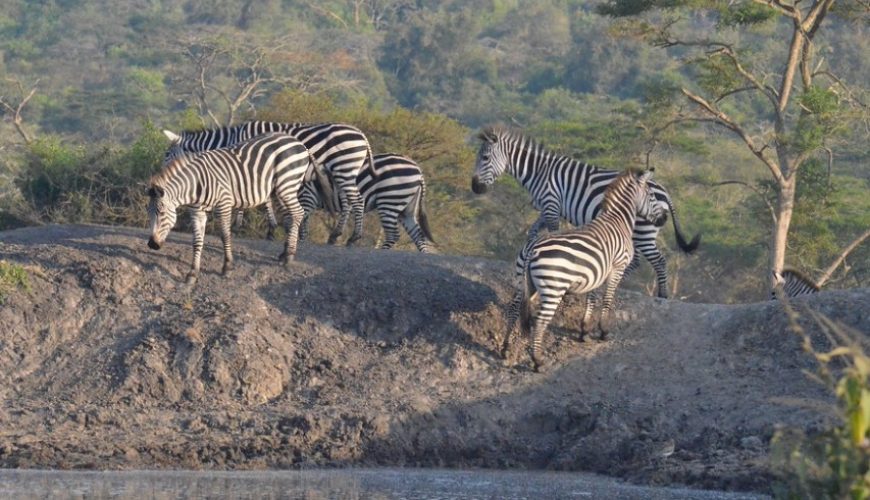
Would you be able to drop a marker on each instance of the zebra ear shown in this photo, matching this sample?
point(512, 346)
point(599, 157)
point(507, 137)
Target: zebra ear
point(172, 136)
point(646, 175)
point(486, 135)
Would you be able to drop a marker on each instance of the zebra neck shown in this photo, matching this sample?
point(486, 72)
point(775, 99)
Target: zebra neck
point(529, 162)
point(619, 215)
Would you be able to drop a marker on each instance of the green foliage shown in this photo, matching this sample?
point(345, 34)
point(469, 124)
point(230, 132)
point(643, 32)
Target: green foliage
point(97, 184)
point(743, 13)
point(835, 463)
point(12, 277)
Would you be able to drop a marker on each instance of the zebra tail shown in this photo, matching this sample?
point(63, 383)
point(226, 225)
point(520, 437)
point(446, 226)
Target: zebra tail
point(421, 212)
point(324, 179)
point(687, 247)
point(526, 301)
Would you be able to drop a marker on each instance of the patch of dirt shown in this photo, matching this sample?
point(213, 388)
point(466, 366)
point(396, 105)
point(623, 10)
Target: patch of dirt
point(367, 357)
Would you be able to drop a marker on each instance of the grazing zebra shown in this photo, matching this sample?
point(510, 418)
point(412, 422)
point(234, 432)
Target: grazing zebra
point(342, 149)
point(562, 187)
point(395, 188)
point(221, 180)
point(580, 261)
point(792, 283)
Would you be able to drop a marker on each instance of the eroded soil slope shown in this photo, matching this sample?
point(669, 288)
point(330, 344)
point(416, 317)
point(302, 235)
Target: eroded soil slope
point(358, 356)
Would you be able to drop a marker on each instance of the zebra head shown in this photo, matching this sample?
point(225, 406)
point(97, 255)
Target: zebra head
point(492, 159)
point(649, 207)
point(161, 215)
point(636, 186)
point(778, 285)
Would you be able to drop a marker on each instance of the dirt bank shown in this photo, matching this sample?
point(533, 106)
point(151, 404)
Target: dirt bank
point(366, 357)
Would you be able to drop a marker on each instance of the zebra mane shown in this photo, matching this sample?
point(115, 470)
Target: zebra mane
point(492, 133)
point(621, 180)
point(171, 168)
point(800, 276)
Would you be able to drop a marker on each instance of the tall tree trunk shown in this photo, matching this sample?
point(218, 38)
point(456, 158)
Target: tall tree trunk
point(779, 237)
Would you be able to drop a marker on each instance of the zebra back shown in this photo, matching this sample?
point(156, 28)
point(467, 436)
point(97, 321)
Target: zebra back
point(792, 283)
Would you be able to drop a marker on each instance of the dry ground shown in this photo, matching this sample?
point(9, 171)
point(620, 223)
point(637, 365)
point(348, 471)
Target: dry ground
point(366, 357)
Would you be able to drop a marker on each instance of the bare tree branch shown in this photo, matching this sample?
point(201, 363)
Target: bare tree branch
point(725, 121)
point(842, 257)
point(16, 110)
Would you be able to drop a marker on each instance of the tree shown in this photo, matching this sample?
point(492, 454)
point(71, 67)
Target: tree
point(14, 108)
point(802, 103)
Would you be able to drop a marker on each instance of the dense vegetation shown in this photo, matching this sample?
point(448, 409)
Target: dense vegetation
point(89, 84)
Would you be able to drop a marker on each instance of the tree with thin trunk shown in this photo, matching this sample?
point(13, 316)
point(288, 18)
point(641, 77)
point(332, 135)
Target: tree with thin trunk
point(804, 102)
point(14, 108)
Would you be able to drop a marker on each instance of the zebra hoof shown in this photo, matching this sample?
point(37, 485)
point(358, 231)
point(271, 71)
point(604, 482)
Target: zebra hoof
point(228, 268)
point(353, 241)
point(270, 235)
point(333, 238)
point(191, 278)
point(286, 258)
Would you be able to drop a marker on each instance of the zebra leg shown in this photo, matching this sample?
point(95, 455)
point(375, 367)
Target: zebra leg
point(293, 214)
point(513, 314)
point(198, 219)
point(303, 226)
point(390, 223)
point(357, 207)
point(273, 222)
point(659, 263)
point(412, 227)
point(342, 218)
point(550, 300)
point(633, 265)
point(587, 323)
point(224, 213)
point(605, 321)
point(239, 218)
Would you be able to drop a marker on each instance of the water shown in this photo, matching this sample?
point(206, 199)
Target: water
point(350, 484)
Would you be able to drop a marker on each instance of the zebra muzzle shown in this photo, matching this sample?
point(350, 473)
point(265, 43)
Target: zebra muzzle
point(477, 186)
point(153, 245)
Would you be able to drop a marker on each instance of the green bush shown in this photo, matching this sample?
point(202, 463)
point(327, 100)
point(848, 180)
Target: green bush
point(12, 277)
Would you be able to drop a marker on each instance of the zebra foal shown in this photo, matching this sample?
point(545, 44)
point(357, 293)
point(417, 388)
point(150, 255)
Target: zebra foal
point(562, 187)
point(342, 149)
point(582, 260)
point(395, 188)
point(221, 180)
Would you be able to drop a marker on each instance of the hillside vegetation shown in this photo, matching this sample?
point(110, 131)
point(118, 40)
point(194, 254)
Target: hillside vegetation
point(89, 84)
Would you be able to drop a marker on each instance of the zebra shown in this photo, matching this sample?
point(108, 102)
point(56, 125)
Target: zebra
point(792, 283)
point(342, 149)
point(562, 187)
point(395, 188)
point(221, 180)
point(582, 260)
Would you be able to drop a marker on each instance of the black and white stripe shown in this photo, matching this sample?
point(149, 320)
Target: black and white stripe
point(792, 283)
point(562, 187)
point(395, 188)
point(222, 180)
point(582, 260)
point(342, 149)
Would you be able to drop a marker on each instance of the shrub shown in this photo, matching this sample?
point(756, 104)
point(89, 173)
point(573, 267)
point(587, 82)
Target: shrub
point(836, 462)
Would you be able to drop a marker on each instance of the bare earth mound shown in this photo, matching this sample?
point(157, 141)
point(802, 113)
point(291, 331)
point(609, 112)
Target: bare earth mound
point(366, 357)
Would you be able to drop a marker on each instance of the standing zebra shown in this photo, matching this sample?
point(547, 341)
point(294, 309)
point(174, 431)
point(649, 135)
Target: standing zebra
point(395, 188)
point(562, 187)
point(342, 149)
point(580, 261)
point(232, 178)
point(792, 283)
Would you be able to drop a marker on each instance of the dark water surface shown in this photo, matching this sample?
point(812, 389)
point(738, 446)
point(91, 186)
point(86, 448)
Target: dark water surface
point(418, 484)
